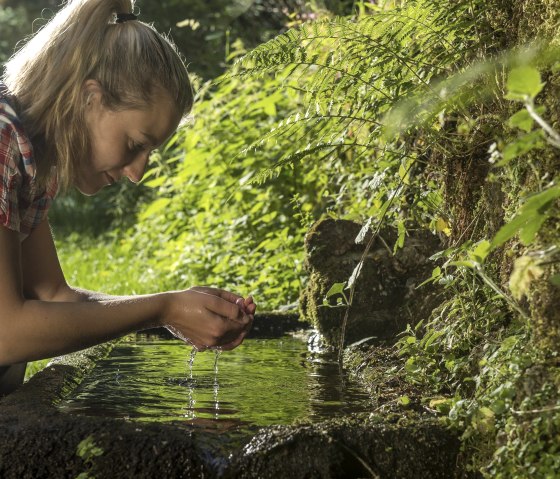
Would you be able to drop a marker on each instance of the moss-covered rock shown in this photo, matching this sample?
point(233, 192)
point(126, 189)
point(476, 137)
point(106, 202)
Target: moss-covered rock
point(385, 298)
point(521, 21)
point(545, 312)
point(354, 448)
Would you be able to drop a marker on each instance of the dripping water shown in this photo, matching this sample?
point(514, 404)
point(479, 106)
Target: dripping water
point(217, 352)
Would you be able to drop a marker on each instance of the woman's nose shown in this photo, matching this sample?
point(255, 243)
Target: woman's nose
point(135, 171)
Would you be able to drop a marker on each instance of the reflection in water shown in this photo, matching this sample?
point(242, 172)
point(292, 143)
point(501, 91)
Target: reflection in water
point(262, 382)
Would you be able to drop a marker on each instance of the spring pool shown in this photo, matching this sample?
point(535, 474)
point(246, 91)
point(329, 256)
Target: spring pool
point(262, 382)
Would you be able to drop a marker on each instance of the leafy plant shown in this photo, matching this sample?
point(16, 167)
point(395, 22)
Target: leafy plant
point(88, 450)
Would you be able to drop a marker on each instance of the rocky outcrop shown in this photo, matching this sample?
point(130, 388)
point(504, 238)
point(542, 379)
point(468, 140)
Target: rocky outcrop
point(357, 448)
point(386, 297)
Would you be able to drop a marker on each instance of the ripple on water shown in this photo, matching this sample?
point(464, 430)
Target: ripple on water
point(262, 382)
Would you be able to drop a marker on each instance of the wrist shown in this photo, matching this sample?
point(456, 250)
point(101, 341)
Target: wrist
point(165, 307)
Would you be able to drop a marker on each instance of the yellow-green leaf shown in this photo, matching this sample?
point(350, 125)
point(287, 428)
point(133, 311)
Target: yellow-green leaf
point(524, 81)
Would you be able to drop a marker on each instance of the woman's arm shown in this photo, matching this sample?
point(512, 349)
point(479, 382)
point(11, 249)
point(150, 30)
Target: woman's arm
point(42, 275)
point(40, 316)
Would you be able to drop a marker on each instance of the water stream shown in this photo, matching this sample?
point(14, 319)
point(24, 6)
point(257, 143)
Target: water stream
point(263, 382)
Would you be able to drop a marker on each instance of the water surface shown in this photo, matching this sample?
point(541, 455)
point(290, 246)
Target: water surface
point(262, 382)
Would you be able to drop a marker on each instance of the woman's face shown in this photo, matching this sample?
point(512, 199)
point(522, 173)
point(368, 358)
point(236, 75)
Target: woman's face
point(121, 141)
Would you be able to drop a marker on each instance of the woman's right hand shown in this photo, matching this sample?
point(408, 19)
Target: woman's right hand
point(209, 317)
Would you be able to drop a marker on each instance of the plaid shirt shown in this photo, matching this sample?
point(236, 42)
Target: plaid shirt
point(22, 205)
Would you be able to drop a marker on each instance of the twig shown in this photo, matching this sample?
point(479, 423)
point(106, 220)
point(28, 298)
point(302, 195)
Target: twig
point(536, 411)
point(553, 137)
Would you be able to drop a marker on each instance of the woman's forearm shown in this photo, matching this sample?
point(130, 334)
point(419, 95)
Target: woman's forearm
point(39, 329)
point(73, 294)
point(205, 317)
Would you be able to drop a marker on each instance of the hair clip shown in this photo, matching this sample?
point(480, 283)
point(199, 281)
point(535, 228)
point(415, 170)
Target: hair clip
point(125, 17)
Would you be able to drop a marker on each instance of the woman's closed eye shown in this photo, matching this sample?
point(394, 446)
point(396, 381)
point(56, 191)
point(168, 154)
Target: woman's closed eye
point(138, 146)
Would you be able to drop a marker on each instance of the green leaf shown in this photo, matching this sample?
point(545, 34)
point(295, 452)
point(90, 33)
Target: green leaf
point(404, 400)
point(541, 201)
point(531, 228)
point(555, 280)
point(156, 182)
point(481, 251)
point(336, 288)
point(431, 337)
point(522, 120)
point(401, 238)
point(523, 82)
point(467, 264)
point(87, 449)
point(520, 146)
point(508, 231)
point(155, 207)
point(529, 219)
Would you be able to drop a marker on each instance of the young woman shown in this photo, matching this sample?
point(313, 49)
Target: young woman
point(82, 105)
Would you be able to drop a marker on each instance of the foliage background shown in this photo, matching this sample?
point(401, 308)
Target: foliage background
point(415, 114)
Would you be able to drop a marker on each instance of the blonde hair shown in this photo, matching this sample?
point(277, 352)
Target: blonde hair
point(131, 61)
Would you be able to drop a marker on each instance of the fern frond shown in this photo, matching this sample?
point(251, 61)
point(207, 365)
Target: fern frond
point(351, 72)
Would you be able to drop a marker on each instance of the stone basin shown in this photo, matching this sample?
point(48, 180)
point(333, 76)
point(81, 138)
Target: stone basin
point(39, 441)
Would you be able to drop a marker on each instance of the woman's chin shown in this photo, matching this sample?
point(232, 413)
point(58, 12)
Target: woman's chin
point(88, 189)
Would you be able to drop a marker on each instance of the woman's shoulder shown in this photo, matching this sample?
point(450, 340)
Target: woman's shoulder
point(8, 117)
point(23, 201)
point(12, 133)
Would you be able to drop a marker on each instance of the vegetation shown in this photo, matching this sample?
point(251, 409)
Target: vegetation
point(418, 114)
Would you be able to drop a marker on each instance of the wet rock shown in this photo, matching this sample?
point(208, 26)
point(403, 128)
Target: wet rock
point(48, 447)
point(385, 298)
point(37, 441)
point(356, 448)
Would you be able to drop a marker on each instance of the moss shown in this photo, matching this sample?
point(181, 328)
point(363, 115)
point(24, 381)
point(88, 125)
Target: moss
point(385, 298)
point(521, 21)
point(545, 312)
point(351, 448)
point(379, 367)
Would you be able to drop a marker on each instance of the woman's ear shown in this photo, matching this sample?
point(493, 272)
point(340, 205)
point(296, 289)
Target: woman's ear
point(93, 92)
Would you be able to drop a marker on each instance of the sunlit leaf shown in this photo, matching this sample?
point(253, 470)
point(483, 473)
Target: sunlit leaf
point(355, 274)
point(360, 238)
point(522, 120)
point(524, 81)
point(156, 207)
point(481, 251)
point(404, 400)
point(525, 270)
point(443, 227)
point(336, 288)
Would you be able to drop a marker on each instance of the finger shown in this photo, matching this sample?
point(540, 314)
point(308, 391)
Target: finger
point(249, 325)
point(221, 293)
point(233, 344)
point(221, 307)
point(250, 309)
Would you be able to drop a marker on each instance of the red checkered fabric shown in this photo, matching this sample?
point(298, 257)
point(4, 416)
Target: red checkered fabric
point(22, 204)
